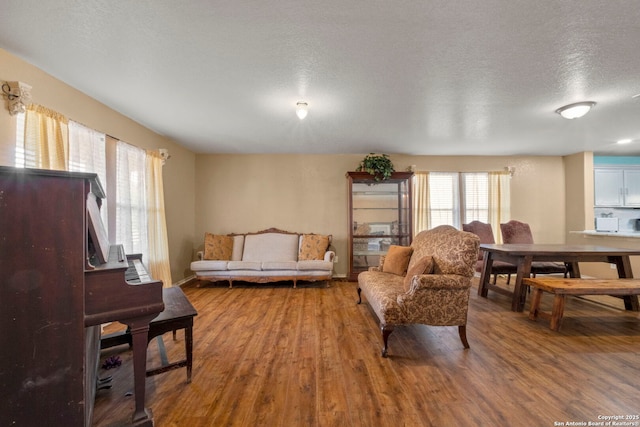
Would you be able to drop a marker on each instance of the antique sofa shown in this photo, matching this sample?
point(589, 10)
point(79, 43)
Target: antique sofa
point(266, 256)
point(426, 283)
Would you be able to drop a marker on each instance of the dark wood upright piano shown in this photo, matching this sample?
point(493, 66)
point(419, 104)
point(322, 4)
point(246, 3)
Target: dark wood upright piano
point(59, 281)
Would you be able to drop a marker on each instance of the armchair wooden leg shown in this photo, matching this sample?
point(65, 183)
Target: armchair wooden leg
point(359, 296)
point(386, 331)
point(462, 331)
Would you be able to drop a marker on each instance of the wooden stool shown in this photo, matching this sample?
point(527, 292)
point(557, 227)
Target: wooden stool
point(628, 288)
point(178, 314)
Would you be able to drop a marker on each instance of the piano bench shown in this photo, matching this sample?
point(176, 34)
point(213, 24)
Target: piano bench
point(178, 314)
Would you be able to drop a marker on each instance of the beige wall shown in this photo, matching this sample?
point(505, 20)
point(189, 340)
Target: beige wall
point(303, 193)
point(579, 189)
point(308, 193)
point(178, 173)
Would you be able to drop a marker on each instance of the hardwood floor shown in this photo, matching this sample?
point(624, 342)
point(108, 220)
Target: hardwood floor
point(271, 355)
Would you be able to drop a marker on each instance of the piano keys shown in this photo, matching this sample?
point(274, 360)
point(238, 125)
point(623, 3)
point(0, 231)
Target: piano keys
point(137, 272)
point(109, 297)
point(55, 291)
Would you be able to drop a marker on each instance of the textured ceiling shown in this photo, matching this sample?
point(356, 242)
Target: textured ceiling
point(412, 77)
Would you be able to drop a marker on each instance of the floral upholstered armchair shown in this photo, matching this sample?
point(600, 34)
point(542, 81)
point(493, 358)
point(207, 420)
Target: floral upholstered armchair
point(426, 283)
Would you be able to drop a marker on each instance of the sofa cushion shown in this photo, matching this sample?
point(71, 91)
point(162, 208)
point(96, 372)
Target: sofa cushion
point(381, 291)
point(313, 246)
point(267, 247)
point(209, 265)
point(244, 265)
point(217, 247)
point(238, 247)
point(280, 265)
point(315, 265)
point(397, 260)
point(422, 266)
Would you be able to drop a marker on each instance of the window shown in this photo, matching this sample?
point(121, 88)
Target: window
point(47, 139)
point(443, 199)
point(131, 210)
point(126, 202)
point(87, 153)
point(475, 200)
point(457, 198)
point(19, 158)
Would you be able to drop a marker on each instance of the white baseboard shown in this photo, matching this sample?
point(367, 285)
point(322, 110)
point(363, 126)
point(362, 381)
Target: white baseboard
point(185, 280)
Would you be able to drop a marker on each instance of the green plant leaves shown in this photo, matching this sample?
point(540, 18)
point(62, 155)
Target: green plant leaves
point(378, 165)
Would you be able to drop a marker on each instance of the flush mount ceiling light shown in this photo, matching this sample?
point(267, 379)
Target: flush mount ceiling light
point(301, 110)
point(577, 110)
point(624, 141)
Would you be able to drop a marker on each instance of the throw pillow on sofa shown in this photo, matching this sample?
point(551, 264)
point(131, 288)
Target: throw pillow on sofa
point(217, 247)
point(422, 266)
point(397, 260)
point(313, 247)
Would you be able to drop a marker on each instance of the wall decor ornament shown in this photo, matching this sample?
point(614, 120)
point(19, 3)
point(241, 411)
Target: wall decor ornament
point(18, 96)
point(378, 165)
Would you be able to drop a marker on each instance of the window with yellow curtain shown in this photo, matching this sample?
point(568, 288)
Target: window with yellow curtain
point(456, 198)
point(131, 177)
point(140, 215)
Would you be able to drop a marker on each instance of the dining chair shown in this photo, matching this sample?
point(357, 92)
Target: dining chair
point(485, 233)
point(520, 232)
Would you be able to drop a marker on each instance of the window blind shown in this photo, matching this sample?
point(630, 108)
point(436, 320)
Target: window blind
point(131, 210)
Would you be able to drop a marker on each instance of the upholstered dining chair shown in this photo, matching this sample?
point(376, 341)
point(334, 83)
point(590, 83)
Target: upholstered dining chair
point(485, 233)
point(520, 232)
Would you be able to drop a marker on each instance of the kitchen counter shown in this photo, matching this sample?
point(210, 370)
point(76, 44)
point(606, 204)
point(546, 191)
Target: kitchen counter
point(622, 233)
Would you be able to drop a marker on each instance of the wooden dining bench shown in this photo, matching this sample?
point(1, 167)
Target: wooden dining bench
point(560, 288)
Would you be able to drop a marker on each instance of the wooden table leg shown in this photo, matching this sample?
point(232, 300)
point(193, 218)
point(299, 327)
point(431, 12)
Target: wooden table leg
point(574, 269)
point(557, 311)
point(485, 275)
point(519, 291)
point(623, 264)
point(535, 304)
point(188, 338)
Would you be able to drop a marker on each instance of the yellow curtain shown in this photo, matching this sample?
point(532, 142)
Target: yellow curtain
point(420, 202)
point(499, 201)
point(46, 139)
point(156, 223)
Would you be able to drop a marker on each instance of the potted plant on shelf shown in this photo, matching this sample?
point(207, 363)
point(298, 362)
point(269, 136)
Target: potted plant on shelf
point(378, 165)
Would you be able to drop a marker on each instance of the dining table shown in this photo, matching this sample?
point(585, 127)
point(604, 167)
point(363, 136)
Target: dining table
point(523, 255)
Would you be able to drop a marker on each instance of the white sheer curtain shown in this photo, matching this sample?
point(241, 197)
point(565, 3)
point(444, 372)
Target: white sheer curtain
point(131, 211)
point(499, 201)
point(87, 153)
point(159, 265)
